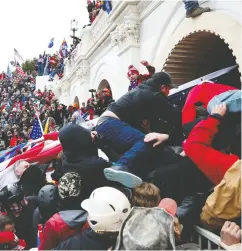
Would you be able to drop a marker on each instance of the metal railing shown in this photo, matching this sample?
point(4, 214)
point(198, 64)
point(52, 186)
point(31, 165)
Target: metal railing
point(206, 239)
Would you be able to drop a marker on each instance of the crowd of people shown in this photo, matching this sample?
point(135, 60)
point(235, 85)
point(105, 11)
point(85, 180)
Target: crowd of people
point(94, 106)
point(168, 169)
point(20, 104)
point(168, 166)
point(50, 65)
point(93, 8)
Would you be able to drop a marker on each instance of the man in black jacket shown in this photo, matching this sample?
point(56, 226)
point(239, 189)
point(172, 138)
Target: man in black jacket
point(80, 155)
point(120, 125)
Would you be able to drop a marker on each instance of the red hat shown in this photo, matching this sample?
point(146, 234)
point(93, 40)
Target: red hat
point(169, 205)
point(132, 70)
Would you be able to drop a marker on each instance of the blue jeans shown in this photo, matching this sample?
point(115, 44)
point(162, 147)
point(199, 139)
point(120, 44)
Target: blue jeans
point(231, 98)
point(123, 138)
point(53, 73)
point(190, 5)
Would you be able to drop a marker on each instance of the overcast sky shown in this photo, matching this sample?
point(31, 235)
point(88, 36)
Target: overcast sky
point(28, 25)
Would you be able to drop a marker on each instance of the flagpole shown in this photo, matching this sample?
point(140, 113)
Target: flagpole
point(36, 115)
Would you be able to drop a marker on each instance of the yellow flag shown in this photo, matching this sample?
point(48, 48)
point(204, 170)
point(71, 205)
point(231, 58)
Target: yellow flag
point(47, 126)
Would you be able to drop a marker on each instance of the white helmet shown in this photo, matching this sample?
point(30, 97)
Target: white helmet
point(107, 207)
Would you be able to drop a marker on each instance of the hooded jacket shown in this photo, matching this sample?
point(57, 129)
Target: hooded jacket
point(62, 226)
point(80, 155)
point(146, 102)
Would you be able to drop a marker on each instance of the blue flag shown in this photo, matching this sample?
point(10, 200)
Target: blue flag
point(107, 6)
point(37, 131)
point(9, 72)
point(51, 43)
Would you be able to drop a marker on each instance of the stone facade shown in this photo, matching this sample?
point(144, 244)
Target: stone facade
point(137, 30)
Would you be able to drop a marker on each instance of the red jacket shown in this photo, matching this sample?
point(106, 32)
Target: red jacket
point(201, 93)
point(61, 226)
point(197, 147)
point(15, 141)
point(8, 238)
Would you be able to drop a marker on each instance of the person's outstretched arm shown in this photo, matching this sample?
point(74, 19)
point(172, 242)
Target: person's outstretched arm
point(150, 68)
point(198, 147)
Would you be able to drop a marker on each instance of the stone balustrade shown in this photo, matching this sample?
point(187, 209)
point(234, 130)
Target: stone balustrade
point(121, 28)
point(104, 23)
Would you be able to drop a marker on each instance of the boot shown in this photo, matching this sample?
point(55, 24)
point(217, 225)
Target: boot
point(197, 12)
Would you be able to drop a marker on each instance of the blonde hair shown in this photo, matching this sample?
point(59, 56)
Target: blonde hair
point(146, 195)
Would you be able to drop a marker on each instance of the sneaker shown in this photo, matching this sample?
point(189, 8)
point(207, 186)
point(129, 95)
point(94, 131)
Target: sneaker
point(197, 12)
point(122, 175)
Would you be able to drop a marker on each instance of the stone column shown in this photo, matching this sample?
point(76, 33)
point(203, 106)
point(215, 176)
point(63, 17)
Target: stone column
point(83, 75)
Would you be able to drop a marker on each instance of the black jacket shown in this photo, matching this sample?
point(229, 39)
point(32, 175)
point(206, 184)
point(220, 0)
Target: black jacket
point(87, 240)
point(80, 155)
point(145, 102)
point(89, 168)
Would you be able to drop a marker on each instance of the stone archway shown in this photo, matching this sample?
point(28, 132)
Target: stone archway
point(76, 101)
point(215, 25)
point(104, 84)
point(199, 54)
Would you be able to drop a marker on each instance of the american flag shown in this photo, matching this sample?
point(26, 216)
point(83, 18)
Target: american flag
point(44, 150)
point(37, 131)
point(47, 149)
point(20, 70)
